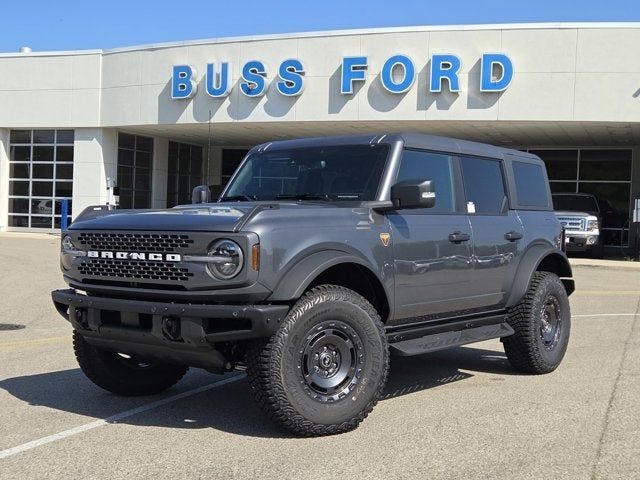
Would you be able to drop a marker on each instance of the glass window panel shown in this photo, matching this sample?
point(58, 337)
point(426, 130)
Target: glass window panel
point(18, 205)
point(531, 185)
point(43, 154)
point(125, 157)
point(19, 170)
point(613, 199)
point(125, 177)
point(141, 200)
point(20, 189)
point(143, 160)
point(142, 179)
point(43, 170)
point(172, 166)
point(64, 189)
point(183, 183)
point(57, 222)
point(40, 222)
point(231, 159)
point(64, 171)
point(483, 184)
point(126, 198)
point(184, 155)
point(41, 206)
point(20, 136)
point(196, 166)
point(64, 154)
point(605, 165)
point(43, 136)
point(561, 164)
point(563, 187)
point(126, 140)
point(18, 221)
point(144, 144)
point(65, 136)
point(20, 154)
point(44, 189)
point(58, 206)
point(172, 181)
point(430, 166)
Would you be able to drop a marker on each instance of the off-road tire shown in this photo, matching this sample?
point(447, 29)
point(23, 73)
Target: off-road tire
point(122, 376)
point(276, 366)
point(526, 349)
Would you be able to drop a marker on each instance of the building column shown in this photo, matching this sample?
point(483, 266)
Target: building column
point(159, 172)
point(95, 158)
point(4, 178)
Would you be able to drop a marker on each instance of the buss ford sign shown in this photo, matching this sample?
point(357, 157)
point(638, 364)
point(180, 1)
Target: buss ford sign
point(397, 76)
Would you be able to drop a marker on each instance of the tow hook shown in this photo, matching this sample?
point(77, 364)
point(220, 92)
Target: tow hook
point(171, 328)
point(80, 317)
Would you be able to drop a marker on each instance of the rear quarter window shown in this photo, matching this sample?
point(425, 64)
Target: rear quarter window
point(531, 185)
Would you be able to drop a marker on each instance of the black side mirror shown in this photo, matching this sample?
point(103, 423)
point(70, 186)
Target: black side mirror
point(201, 194)
point(413, 194)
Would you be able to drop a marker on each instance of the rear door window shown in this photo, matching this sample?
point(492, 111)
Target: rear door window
point(483, 185)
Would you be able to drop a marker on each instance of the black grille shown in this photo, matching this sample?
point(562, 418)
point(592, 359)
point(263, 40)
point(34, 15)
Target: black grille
point(137, 242)
point(134, 269)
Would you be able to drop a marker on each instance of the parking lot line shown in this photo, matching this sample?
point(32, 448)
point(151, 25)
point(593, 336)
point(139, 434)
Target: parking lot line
point(33, 342)
point(115, 418)
point(606, 315)
point(608, 293)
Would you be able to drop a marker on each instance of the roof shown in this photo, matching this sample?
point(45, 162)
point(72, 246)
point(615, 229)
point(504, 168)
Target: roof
point(337, 33)
point(410, 139)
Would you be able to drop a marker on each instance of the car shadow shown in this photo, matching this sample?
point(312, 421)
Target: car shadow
point(229, 407)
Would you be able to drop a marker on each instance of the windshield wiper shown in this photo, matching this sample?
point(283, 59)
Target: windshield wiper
point(238, 198)
point(304, 196)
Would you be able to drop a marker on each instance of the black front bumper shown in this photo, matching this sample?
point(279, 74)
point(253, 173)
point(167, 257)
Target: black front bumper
point(180, 333)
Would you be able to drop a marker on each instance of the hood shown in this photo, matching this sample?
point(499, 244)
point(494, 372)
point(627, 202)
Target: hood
point(572, 213)
point(211, 217)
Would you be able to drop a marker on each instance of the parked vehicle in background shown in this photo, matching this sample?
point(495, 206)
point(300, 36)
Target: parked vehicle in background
point(580, 216)
point(322, 258)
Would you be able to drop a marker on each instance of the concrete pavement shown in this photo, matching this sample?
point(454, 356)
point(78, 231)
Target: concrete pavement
point(462, 413)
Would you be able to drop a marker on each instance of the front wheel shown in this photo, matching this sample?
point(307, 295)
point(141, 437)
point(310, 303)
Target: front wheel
point(124, 374)
point(542, 323)
point(323, 371)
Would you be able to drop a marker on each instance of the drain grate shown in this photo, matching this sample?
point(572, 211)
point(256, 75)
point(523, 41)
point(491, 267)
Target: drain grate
point(11, 326)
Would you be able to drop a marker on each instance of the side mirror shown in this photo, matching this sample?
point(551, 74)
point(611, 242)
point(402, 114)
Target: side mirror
point(413, 194)
point(201, 194)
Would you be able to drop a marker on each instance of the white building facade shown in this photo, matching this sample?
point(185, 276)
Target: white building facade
point(159, 119)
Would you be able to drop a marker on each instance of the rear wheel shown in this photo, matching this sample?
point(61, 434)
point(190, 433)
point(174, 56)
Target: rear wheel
point(124, 374)
point(542, 323)
point(324, 369)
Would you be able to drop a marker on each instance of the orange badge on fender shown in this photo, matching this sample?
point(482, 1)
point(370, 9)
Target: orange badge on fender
point(384, 238)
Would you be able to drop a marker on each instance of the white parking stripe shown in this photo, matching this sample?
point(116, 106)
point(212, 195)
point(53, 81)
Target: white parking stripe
point(607, 315)
point(114, 418)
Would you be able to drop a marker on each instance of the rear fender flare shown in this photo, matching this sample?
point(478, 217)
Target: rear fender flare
point(529, 264)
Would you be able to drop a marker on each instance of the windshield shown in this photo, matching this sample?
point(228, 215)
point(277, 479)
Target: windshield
point(343, 173)
point(575, 203)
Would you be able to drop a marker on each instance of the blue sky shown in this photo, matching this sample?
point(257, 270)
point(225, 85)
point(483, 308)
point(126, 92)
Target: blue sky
point(76, 24)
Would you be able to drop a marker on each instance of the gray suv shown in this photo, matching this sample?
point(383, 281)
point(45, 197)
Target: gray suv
point(322, 258)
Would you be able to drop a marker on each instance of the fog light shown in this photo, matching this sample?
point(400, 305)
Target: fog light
point(592, 240)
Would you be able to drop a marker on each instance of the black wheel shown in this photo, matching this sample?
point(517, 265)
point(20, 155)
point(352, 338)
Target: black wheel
point(324, 369)
point(124, 374)
point(542, 323)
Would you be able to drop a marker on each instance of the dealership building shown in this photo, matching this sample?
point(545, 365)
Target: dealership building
point(159, 119)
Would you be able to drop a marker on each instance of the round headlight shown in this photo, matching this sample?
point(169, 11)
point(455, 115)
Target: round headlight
point(229, 259)
point(67, 243)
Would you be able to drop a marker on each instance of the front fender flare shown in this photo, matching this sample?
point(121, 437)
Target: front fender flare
point(296, 279)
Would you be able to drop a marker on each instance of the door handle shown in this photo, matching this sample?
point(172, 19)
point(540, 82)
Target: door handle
point(459, 237)
point(512, 236)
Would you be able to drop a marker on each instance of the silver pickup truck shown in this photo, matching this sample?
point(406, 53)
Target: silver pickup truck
point(580, 216)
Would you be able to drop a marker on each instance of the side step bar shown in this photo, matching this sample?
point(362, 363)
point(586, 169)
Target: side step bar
point(441, 341)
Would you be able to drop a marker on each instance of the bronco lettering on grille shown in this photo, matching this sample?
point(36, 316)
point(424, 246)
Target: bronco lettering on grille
point(153, 257)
